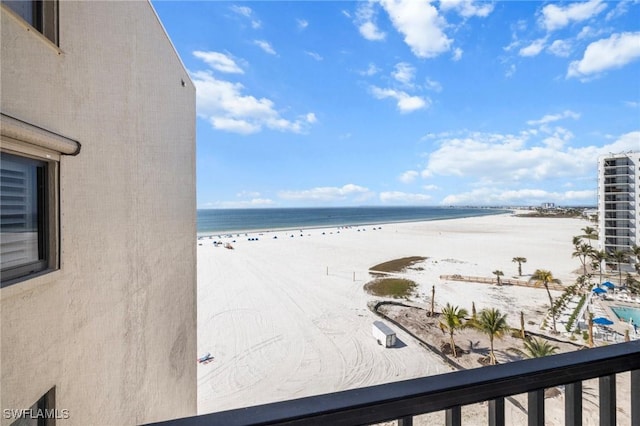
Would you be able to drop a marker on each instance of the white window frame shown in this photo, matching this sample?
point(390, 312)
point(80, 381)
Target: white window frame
point(28, 141)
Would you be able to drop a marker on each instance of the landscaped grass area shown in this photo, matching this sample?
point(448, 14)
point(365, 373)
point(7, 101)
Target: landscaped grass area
point(391, 287)
point(397, 265)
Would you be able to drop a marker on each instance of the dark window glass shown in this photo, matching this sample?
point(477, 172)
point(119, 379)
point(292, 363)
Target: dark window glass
point(23, 216)
point(40, 14)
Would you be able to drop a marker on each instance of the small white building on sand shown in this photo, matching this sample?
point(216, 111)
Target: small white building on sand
point(98, 278)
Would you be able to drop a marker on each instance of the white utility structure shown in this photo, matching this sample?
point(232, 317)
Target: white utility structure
point(383, 334)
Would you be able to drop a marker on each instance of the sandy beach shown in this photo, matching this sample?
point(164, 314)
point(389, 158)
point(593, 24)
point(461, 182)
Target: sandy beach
point(284, 313)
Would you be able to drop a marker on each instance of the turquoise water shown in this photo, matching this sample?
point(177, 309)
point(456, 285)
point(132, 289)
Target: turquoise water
point(218, 220)
point(624, 313)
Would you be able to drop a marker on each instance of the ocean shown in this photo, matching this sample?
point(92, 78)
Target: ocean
point(228, 220)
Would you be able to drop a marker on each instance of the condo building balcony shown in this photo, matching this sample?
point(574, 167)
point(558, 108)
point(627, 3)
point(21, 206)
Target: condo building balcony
point(448, 393)
point(618, 180)
point(617, 162)
point(619, 224)
point(616, 198)
point(618, 171)
point(618, 206)
point(619, 188)
point(615, 214)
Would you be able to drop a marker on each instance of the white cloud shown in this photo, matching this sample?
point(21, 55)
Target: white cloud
point(242, 10)
point(314, 55)
point(403, 197)
point(510, 71)
point(493, 196)
point(610, 53)
point(404, 73)
point(227, 108)
point(556, 17)
point(327, 193)
point(422, 27)
point(457, 54)
point(371, 70)
point(431, 187)
point(406, 102)
point(219, 61)
point(550, 118)
point(495, 159)
point(265, 45)
point(561, 48)
point(621, 8)
point(249, 194)
point(247, 13)
point(632, 104)
point(370, 31)
point(365, 21)
point(467, 8)
point(408, 176)
point(302, 24)
point(433, 85)
point(255, 202)
point(588, 32)
point(534, 48)
point(311, 118)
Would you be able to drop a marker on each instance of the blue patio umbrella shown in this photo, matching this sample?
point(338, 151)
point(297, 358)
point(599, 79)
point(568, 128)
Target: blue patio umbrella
point(608, 284)
point(602, 321)
point(599, 290)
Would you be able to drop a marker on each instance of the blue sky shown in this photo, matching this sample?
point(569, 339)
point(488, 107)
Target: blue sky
point(407, 102)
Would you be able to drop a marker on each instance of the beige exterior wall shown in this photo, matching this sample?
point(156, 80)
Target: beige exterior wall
point(114, 329)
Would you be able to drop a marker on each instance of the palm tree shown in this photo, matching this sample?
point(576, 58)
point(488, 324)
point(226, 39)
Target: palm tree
point(597, 258)
point(545, 277)
point(452, 320)
point(498, 273)
point(494, 324)
point(519, 261)
point(522, 332)
point(619, 257)
point(582, 252)
point(590, 234)
point(536, 348)
point(577, 240)
point(635, 251)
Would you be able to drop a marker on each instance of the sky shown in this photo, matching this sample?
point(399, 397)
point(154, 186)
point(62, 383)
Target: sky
point(407, 102)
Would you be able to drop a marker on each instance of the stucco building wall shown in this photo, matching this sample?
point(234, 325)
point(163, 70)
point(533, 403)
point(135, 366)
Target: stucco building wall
point(114, 329)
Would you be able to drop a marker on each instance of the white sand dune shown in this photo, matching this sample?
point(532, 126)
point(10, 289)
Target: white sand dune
point(281, 327)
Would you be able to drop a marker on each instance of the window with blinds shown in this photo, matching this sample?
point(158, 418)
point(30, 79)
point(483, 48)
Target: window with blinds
point(23, 216)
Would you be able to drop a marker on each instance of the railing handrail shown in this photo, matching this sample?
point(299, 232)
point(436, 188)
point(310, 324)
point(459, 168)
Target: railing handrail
point(395, 400)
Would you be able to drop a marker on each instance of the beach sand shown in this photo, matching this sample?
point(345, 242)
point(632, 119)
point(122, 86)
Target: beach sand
point(287, 317)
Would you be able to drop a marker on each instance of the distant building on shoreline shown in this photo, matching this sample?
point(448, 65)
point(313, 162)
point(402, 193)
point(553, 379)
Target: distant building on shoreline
point(98, 253)
point(619, 203)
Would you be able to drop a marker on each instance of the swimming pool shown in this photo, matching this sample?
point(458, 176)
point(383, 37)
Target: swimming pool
point(624, 313)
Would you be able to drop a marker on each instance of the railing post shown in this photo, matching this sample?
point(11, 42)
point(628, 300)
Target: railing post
point(607, 390)
point(454, 416)
point(573, 404)
point(536, 407)
point(635, 397)
point(405, 421)
point(496, 412)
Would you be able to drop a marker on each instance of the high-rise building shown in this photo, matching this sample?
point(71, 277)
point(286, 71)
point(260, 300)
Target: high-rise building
point(98, 216)
point(619, 204)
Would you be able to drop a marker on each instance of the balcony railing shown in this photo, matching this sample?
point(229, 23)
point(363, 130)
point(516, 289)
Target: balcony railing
point(449, 392)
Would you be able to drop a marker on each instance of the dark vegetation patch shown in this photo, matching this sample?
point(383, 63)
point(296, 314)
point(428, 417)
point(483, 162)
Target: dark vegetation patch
point(397, 265)
point(391, 287)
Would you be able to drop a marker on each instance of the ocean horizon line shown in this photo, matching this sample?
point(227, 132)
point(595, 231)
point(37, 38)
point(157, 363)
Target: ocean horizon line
point(235, 221)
